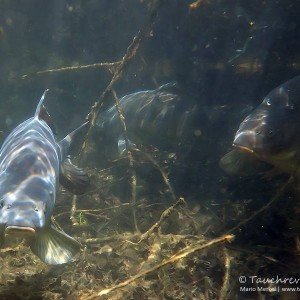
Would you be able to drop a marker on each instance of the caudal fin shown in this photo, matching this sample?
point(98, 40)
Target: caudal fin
point(54, 247)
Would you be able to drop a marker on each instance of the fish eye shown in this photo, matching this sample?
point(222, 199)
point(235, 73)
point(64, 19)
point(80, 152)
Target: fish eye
point(269, 102)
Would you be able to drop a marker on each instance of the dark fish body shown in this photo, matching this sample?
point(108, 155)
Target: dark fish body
point(152, 117)
point(30, 165)
point(271, 132)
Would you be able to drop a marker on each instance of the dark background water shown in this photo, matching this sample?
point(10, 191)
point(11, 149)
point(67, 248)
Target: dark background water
point(201, 49)
point(225, 55)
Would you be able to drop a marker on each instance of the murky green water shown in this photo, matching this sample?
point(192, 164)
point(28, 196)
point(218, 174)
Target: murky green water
point(165, 116)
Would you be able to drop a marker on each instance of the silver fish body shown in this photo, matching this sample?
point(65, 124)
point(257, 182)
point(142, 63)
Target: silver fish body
point(30, 166)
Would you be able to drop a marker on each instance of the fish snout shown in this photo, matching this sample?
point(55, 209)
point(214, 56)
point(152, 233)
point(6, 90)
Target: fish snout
point(251, 135)
point(252, 142)
point(22, 217)
point(246, 141)
point(254, 132)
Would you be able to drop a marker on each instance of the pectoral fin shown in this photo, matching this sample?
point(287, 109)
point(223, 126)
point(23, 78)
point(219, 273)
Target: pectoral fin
point(239, 163)
point(54, 247)
point(73, 178)
point(122, 145)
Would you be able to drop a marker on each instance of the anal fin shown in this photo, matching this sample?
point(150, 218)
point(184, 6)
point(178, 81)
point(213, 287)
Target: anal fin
point(73, 178)
point(54, 247)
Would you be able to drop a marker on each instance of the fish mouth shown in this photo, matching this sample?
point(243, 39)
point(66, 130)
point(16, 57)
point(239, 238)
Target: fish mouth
point(243, 148)
point(19, 231)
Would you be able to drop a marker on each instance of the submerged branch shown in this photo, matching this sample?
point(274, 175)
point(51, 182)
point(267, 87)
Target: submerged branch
point(100, 210)
point(129, 55)
point(133, 179)
point(173, 259)
point(106, 65)
point(132, 237)
point(162, 172)
point(116, 237)
point(225, 286)
point(73, 211)
point(163, 217)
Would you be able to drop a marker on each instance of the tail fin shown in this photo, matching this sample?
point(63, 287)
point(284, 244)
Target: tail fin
point(40, 104)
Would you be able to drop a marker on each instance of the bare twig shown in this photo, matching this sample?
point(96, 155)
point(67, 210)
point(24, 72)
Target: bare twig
point(116, 237)
point(225, 286)
point(108, 65)
point(163, 217)
point(73, 210)
point(100, 210)
point(173, 259)
point(130, 237)
point(162, 172)
point(130, 158)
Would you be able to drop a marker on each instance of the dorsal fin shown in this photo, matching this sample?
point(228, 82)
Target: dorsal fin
point(40, 105)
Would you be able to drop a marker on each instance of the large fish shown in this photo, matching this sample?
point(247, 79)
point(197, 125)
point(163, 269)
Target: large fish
point(153, 117)
point(270, 133)
point(31, 162)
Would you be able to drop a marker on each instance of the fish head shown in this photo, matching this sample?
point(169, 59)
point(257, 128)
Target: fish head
point(21, 217)
point(271, 129)
point(27, 207)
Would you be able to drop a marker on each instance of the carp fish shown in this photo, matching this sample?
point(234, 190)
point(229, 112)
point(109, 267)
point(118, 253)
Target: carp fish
point(31, 163)
point(270, 133)
point(153, 117)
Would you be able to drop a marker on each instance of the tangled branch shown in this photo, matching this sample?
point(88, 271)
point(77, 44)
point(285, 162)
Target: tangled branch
point(173, 259)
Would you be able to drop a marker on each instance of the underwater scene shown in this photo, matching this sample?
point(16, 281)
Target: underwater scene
point(150, 149)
